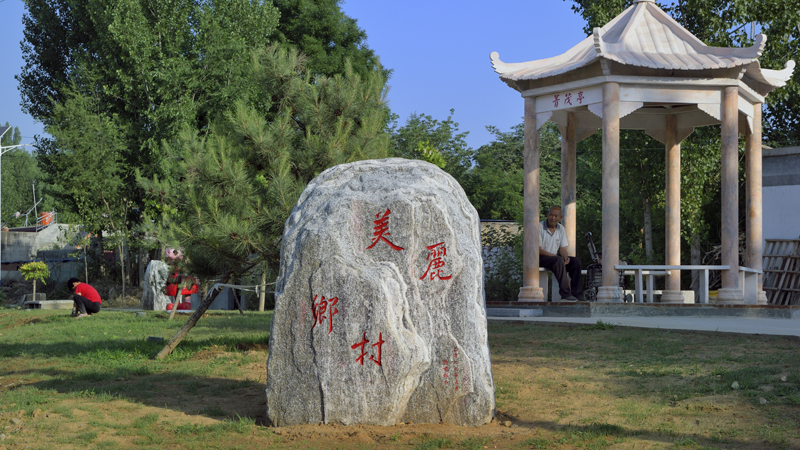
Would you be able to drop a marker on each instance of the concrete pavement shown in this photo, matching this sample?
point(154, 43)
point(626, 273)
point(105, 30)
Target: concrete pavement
point(778, 327)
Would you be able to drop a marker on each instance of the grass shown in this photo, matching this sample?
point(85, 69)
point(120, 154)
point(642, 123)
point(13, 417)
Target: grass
point(432, 442)
point(590, 387)
point(605, 386)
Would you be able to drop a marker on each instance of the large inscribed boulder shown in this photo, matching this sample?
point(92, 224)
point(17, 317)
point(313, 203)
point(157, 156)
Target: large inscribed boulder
point(155, 278)
point(379, 307)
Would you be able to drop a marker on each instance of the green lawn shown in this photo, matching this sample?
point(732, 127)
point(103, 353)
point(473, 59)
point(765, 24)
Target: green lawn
point(93, 383)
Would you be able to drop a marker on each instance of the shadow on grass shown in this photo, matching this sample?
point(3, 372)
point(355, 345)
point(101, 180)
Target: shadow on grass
point(45, 354)
point(105, 336)
point(602, 435)
point(185, 391)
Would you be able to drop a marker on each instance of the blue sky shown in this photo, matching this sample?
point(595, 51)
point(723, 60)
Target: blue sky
point(439, 51)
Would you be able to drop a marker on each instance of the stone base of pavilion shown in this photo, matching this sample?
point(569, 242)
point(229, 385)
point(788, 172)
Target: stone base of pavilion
point(600, 310)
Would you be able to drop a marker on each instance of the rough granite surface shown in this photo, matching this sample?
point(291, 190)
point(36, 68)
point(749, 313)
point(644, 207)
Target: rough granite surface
point(155, 278)
point(374, 322)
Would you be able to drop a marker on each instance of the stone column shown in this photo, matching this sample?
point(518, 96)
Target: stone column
point(530, 290)
point(730, 291)
point(568, 181)
point(609, 291)
point(755, 242)
point(672, 291)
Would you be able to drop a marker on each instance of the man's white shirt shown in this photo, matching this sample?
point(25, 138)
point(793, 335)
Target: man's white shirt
point(551, 242)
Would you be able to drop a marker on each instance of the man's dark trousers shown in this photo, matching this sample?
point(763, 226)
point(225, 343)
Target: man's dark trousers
point(85, 306)
point(555, 264)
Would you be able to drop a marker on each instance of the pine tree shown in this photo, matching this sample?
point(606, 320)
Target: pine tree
point(238, 180)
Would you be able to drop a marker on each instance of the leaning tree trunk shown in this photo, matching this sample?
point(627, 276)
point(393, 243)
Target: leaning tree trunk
point(175, 303)
point(192, 320)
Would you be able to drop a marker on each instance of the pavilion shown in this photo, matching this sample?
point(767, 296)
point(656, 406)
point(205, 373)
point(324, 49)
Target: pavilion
point(644, 71)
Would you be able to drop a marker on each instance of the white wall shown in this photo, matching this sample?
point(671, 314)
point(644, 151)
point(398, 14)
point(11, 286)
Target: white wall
point(782, 212)
point(781, 175)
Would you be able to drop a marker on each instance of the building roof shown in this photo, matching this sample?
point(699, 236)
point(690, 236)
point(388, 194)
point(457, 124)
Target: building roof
point(647, 37)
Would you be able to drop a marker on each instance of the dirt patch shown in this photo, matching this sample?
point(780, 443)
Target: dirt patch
point(252, 347)
point(209, 353)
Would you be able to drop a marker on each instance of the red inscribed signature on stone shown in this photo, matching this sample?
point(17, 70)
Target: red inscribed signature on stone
point(382, 228)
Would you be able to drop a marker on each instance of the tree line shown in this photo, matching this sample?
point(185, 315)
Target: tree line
point(197, 124)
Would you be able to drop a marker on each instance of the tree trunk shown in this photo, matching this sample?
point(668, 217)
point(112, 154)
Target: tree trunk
point(140, 262)
point(192, 320)
point(262, 289)
point(236, 301)
point(697, 259)
point(121, 249)
point(648, 231)
point(101, 255)
point(175, 304)
point(86, 263)
point(34, 290)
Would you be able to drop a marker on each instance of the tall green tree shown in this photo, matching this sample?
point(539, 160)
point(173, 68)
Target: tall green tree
point(494, 183)
point(22, 182)
point(328, 37)
point(11, 137)
point(240, 178)
point(150, 67)
point(421, 131)
point(157, 67)
point(19, 172)
point(83, 158)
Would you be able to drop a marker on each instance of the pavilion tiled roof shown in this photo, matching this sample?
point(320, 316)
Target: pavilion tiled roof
point(645, 36)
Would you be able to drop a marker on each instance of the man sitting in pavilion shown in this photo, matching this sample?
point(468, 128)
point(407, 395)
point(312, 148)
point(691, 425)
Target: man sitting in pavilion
point(553, 240)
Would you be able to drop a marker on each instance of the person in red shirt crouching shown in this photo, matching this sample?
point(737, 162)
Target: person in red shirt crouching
point(87, 300)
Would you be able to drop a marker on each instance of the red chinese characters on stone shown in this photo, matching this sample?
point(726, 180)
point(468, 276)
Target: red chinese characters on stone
point(568, 98)
point(363, 343)
point(324, 307)
point(556, 100)
point(435, 262)
point(446, 370)
point(580, 97)
point(382, 228)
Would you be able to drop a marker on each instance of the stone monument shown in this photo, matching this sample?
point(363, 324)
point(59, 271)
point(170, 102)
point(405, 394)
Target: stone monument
point(379, 312)
point(155, 278)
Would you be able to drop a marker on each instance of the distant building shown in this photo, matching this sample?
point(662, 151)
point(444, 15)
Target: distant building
point(781, 184)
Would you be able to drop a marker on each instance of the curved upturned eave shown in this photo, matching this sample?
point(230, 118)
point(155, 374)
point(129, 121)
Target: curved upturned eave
point(765, 81)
